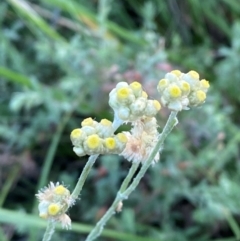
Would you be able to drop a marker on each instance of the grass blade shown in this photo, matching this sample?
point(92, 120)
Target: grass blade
point(31, 15)
point(31, 221)
point(89, 18)
point(15, 77)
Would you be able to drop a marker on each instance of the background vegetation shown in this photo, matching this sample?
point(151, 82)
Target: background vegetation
point(58, 61)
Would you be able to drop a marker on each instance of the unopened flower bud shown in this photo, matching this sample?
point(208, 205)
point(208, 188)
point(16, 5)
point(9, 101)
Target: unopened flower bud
point(77, 136)
point(162, 85)
point(93, 144)
point(152, 108)
point(136, 88)
point(194, 74)
point(174, 91)
point(121, 85)
point(61, 190)
point(138, 106)
point(176, 72)
point(88, 130)
point(79, 151)
point(204, 84)
point(88, 122)
point(104, 128)
point(110, 143)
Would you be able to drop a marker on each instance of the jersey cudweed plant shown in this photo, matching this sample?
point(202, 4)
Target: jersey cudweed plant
point(141, 145)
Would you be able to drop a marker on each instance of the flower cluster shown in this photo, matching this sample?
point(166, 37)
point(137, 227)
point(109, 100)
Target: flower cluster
point(130, 102)
point(141, 140)
point(54, 201)
point(97, 138)
point(180, 91)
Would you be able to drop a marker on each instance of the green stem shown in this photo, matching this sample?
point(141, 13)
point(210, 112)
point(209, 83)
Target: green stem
point(8, 183)
point(233, 224)
point(172, 121)
point(128, 178)
point(97, 230)
point(49, 230)
point(82, 178)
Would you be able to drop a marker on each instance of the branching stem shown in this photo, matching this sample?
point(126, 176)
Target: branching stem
point(124, 193)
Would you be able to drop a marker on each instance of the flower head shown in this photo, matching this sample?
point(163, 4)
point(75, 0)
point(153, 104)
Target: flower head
point(141, 140)
point(96, 138)
point(130, 102)
point(54, 201)
point(180, 91)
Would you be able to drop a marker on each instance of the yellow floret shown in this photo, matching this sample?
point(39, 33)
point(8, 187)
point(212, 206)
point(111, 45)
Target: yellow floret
point(60, 190)
point(122, 137)
point(106, 122)
point(176, 72)
point(110, 143)
point(123, 93)
point(93, 141)
point(175, 91)
point(87, 122)
point(156, 104)
point(194, 74)
point(144, 94)
point(201, 95)
point(135, 85)
point(53, 209)
point(163, 83)
point(205, 83)
point(185, 86)
point(76, 133)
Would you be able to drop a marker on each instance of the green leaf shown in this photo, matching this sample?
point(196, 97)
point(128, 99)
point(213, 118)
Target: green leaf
point(15, 77)
point(28, 12)
point(31, 221)
point(78, 11)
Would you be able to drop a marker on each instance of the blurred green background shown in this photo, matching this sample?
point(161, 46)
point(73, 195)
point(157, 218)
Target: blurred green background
point(58, 61)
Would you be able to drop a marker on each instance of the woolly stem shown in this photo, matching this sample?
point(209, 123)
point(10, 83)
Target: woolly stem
point(83, 176)
point(49, 230)
point(128, 178)
point(97, 230)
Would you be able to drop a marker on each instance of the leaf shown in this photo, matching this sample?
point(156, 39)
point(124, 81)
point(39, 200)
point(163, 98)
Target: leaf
point(15, 77)
point(31, 221)
point(31, 15)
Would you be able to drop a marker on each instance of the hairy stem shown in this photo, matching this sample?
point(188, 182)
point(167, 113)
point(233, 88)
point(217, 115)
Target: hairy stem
point(172, 121)
point(97, 230)
point(49, 230)
point(83, 176)
point(128, 178)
